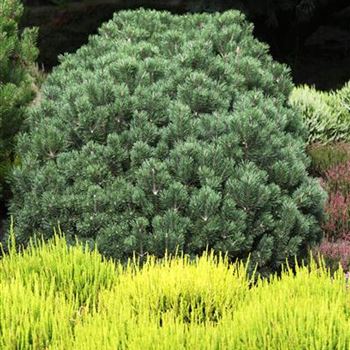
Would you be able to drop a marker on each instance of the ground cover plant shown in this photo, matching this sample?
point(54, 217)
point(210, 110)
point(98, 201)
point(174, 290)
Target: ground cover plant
point(325, 156)
point(336, 245)
point(335, 253)
point(17, 56)
point(170, 132)
point(337, 209)
point(336, 181)
point(56, 296)
point(326, 114)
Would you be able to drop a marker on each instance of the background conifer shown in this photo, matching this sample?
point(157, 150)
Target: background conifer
point(17, 55)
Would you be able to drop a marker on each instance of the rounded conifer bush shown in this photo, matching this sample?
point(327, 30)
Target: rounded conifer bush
point(170, 132)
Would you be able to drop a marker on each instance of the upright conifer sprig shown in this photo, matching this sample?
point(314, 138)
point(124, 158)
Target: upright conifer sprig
point(17, 55)
point(169, 132)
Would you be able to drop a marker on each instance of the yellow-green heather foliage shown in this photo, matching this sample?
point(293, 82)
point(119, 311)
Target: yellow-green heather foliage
point(326, 114)
point(53, 296)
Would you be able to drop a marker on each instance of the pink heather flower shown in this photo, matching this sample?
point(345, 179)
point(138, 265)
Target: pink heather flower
point(337, 209)
point(337, 178)
point(336, 252)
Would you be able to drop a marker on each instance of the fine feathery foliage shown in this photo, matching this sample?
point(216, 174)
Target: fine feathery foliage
point(325, 156)
point(335, 253)
point(170, 132)
point(337, 223)
point(17, 55)
point(337, 183)
point(326, 114)
point(59, 297)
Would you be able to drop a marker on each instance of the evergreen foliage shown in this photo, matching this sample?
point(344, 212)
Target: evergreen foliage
point(17, 54)
point(168, 132)
point(327, 114)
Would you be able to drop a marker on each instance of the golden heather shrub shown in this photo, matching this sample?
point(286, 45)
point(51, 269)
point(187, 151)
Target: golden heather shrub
point(54, 296)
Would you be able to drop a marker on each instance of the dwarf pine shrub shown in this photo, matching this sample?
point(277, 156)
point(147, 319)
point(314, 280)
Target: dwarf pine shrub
point(17, 55)
point(169, 132)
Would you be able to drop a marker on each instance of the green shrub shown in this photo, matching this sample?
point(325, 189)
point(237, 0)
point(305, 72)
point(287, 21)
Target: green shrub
point(326, 114)
point(17, 54)
point(170, 132)
point(321, 122)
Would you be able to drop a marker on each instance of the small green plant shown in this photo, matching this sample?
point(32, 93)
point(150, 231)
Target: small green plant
point(326, 114)
point(17, 56)
point(325, 156)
